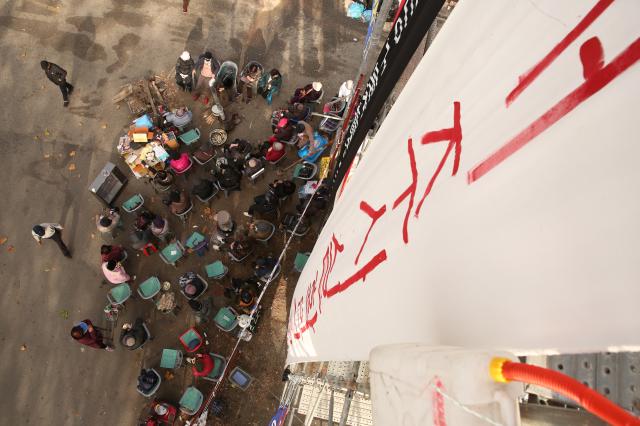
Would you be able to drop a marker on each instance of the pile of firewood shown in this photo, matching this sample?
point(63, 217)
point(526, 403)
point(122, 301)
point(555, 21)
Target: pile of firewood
point(144, 96)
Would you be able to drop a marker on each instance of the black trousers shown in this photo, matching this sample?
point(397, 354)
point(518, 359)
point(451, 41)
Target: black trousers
point(58, 240)
point(65, 88)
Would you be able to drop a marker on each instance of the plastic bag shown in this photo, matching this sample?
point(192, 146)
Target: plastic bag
point(355, 10)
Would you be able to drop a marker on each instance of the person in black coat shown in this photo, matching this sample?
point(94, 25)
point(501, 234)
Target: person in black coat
point(58, 76)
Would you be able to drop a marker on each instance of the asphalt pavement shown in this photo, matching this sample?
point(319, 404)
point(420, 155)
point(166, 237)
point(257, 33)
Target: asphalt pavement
point(50, 155)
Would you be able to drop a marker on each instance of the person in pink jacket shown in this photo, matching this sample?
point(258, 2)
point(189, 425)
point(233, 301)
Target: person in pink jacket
point(114, 272)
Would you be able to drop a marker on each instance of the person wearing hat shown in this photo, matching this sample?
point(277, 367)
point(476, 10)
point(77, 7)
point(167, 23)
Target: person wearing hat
point(114, 272)
point(206, 69)
point(309, 93)
point(185, 72)
point(179, 117)
point(58, 76)
point(275, 153)
point(224, 222)
point(134, 336)
point(50, 231)
point(85, 333)
point(252, 166)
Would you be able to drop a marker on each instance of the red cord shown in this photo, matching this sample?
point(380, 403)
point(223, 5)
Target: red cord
point(571, 388)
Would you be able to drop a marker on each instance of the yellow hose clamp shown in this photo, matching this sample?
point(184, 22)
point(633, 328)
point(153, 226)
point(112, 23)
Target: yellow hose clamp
point(495, 369)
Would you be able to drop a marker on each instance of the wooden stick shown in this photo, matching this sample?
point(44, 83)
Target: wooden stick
point(148, 92)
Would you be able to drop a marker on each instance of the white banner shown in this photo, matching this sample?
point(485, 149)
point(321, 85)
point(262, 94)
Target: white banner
point(499, 204)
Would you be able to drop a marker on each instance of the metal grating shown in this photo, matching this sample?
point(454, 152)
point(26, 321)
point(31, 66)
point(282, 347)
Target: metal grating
point(340, 370)
point(614, 375)
point(359, 411)
point(363, 373)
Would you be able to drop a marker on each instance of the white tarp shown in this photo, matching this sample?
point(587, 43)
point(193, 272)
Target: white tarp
point(535, 248)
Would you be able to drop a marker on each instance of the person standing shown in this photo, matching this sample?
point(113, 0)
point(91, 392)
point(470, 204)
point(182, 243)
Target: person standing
point(185, 72)
point(206, 69)
point(50, 231)
point(85, 333)
point(225, 80)
point(58, 76)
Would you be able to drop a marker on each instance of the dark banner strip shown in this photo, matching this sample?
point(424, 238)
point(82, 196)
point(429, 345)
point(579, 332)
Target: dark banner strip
point(410, 27)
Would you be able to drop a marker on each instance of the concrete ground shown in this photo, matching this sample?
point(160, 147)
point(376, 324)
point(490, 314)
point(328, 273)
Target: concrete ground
point(51, 154)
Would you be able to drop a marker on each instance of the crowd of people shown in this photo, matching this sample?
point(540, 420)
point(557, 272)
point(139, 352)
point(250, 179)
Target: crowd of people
point(231, 168)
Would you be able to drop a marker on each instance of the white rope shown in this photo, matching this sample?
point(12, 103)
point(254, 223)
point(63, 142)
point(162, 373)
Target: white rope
point(264, 290)
point(465, 408)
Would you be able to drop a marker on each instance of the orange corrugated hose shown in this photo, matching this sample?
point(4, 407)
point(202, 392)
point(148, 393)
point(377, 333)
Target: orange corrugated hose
point(504, 370)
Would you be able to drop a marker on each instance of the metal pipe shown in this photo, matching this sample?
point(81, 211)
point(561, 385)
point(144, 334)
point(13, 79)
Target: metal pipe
point(331, 409)
point(311, 413)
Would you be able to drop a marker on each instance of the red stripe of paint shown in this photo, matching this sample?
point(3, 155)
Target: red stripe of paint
point(360, 275)
point(598, 80)
point(527, 78)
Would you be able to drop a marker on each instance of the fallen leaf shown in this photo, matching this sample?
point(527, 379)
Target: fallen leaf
point(3, 240)
point(23, 347)
point(71, 167)
point(46, 132)
point(72, 154)
point(64, 314)
point(11, 249)
point(35, 138)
